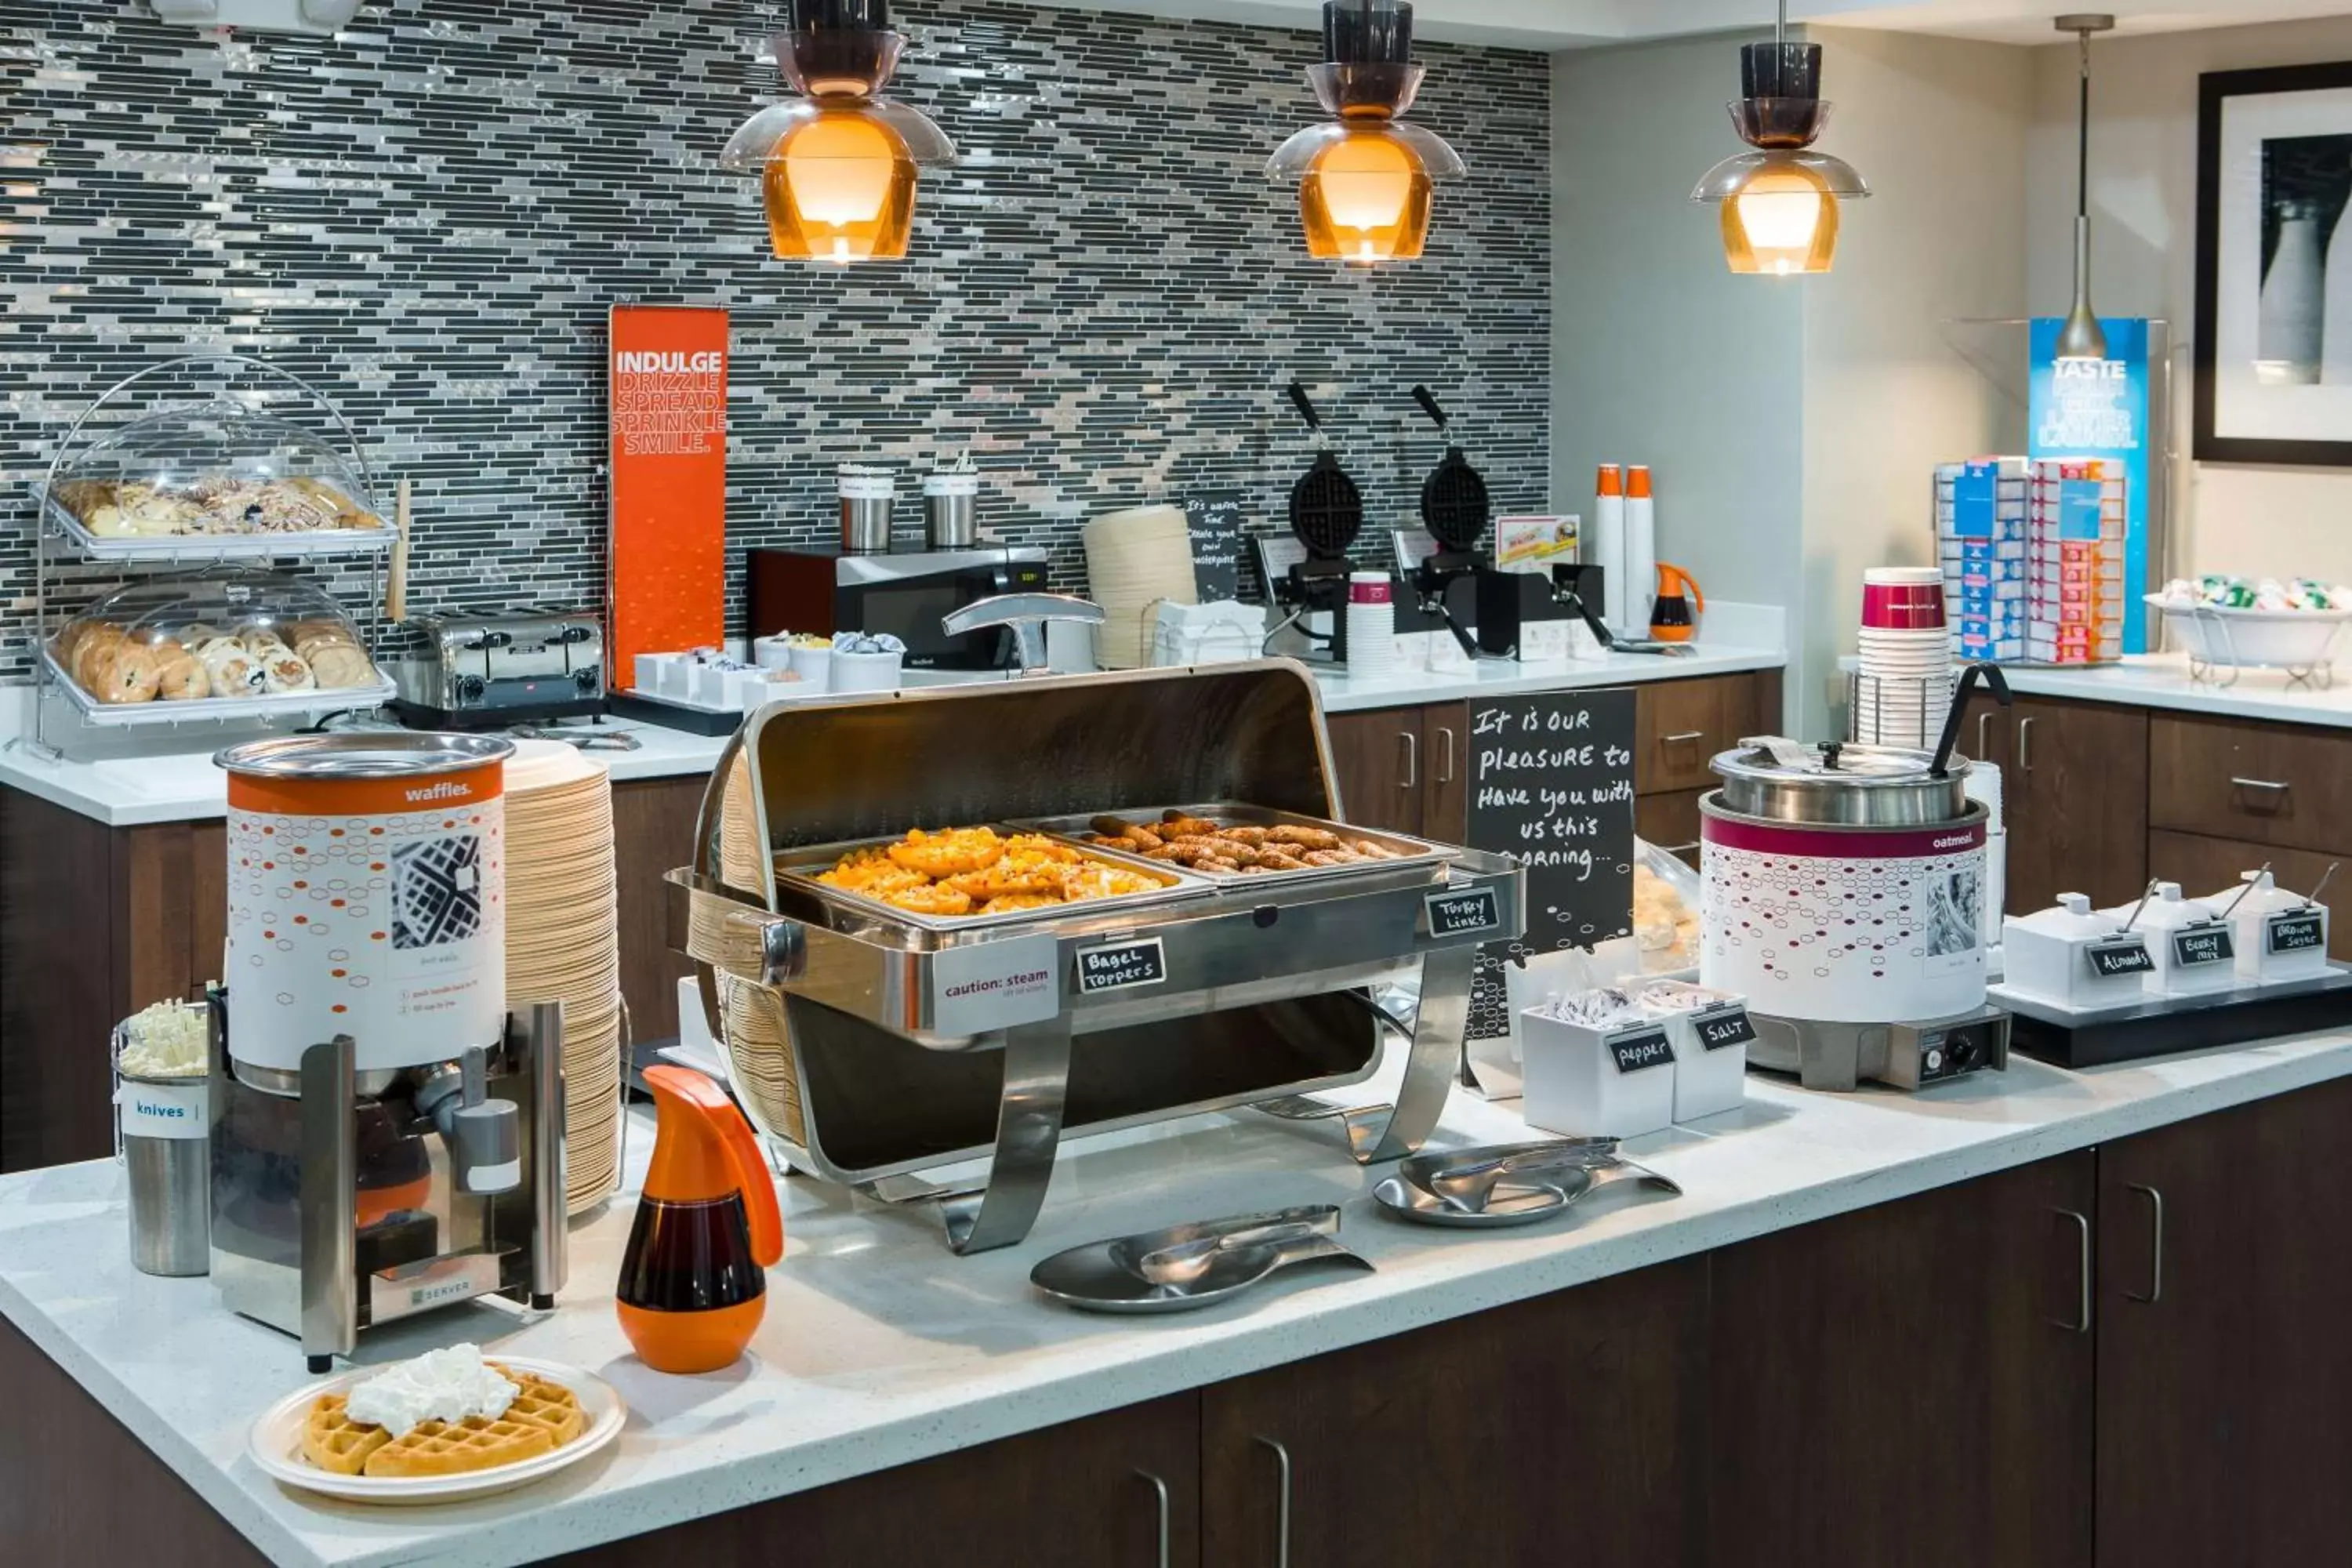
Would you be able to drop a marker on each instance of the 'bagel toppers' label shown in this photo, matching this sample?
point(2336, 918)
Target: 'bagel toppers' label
point(994, 985)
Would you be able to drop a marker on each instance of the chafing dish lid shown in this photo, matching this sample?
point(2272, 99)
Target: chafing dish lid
point(364, 755)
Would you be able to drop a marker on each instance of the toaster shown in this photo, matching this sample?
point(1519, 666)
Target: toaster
point(490, 671)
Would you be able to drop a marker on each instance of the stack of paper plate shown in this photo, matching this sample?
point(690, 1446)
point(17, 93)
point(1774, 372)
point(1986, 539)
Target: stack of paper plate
point(1136, 560)
point(759, 1057)
point(563, 944)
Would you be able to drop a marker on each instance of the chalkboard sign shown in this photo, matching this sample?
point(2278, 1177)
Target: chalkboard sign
point(1115, 966)
point(2295, 931)
point(1550, 782)
point(2118, 956)
point(2203, 945)
point(1463, 914)
point(1215, 519)
point(1638, 1050)
point(1723, 1027)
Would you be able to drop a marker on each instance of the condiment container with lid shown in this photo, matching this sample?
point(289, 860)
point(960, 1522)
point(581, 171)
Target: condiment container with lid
point(1710, 1031)
point(1843, 883)
point(1596, 1064)
point(2279, 934)
point(2074, 956)
point(2194, 950)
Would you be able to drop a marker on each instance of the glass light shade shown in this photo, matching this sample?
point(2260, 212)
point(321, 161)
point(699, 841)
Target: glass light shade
point(749, 150)
point(1385, 90)
point(1365, 198)
point(1783, 222)
point(1833, 176)
point(839, 187)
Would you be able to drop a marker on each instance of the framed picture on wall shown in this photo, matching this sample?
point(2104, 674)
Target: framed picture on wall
point(2274, 370)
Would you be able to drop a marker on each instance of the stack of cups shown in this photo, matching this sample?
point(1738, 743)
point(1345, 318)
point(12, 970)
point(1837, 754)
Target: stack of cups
point(1906, 683)
point(1371, 626)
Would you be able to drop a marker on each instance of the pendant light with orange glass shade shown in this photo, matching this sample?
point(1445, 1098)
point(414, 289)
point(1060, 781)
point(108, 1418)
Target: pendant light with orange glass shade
point(1781, 202)
point(1365, 177)
point(837, 165)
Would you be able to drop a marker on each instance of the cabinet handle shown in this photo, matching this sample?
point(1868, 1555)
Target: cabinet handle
point(2155, 1248)
point(1444, 754)
point(2025, 745)
point(2082, 1323)
point(1282, 1509)
point(1411, 760)
point(1685, 735)
point(1984, 737)
point(1161, 1487)
point(2276, 786)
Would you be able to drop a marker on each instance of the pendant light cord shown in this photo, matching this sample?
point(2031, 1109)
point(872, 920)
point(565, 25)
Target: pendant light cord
point(2083, 142)
point(1781, 26)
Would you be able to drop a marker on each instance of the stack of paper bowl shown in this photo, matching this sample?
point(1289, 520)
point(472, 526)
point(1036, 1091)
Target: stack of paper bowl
point(563, 944)
point(1137, 561)
point(1904, 686)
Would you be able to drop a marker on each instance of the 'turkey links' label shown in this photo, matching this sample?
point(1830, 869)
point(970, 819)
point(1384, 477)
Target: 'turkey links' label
point(1463, 914)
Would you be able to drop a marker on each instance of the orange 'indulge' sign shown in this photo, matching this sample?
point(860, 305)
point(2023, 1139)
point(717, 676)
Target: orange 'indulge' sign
point(666, 586)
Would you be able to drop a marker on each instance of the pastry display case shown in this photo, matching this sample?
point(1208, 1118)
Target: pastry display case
point(224, 472)
point(225, 645)
point(228, 465)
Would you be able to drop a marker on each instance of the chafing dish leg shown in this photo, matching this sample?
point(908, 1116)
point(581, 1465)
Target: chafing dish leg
point(1028, 1130)
point(1429, 1070)
point(1365, 1124)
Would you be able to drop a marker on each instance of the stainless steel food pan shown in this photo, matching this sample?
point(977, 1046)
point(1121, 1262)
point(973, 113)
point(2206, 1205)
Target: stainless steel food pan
point(798, 868)
point(1410, 854)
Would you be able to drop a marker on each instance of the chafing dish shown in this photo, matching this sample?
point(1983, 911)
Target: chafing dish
point(870, 1045)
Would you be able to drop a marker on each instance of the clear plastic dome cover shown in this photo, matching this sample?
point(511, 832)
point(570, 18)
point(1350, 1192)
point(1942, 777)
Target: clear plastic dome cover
point(219, 469)
point(1295, 157)
point(218, 635)
point(1830, 175)
point(749, 150)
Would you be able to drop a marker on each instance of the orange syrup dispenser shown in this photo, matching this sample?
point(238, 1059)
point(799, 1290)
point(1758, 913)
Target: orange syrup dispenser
point(693, 1287)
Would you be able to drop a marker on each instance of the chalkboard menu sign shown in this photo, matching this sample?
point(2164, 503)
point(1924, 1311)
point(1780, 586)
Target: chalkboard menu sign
point(1215, 519)
point(1550, 780)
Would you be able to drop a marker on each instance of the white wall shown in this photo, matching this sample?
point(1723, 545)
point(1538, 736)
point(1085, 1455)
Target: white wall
point(1792, 423)
point(1659, 355)
point(1938, 126)
point(2272, 522)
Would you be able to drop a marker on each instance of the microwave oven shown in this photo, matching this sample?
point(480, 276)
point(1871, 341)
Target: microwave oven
point(826, 590)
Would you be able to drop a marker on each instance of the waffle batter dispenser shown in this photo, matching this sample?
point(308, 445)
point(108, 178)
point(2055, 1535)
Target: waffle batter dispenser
point(386, 1137)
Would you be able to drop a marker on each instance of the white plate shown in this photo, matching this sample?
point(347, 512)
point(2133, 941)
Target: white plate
point(276, 1442)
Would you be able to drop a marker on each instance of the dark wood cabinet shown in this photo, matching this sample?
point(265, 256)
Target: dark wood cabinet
point(2225, 1371)
point(1096, 1493)
point(97, 922)
point(1680, 726)
point(1911, 1383)
point(1445, 799)
point(1376, 760)
point(2075, 796)
point(1407, 769)
point(2281, 785)
point(1566, 1427)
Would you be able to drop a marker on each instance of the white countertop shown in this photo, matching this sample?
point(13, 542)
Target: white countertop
point(2161, 680)
point(171, 778)
point(880, 1347)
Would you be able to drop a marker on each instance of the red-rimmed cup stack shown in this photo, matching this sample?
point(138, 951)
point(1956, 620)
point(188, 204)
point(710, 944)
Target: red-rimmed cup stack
point(1906, 658)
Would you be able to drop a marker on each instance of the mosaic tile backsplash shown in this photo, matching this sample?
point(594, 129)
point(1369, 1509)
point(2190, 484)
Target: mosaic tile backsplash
point(428, 215)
